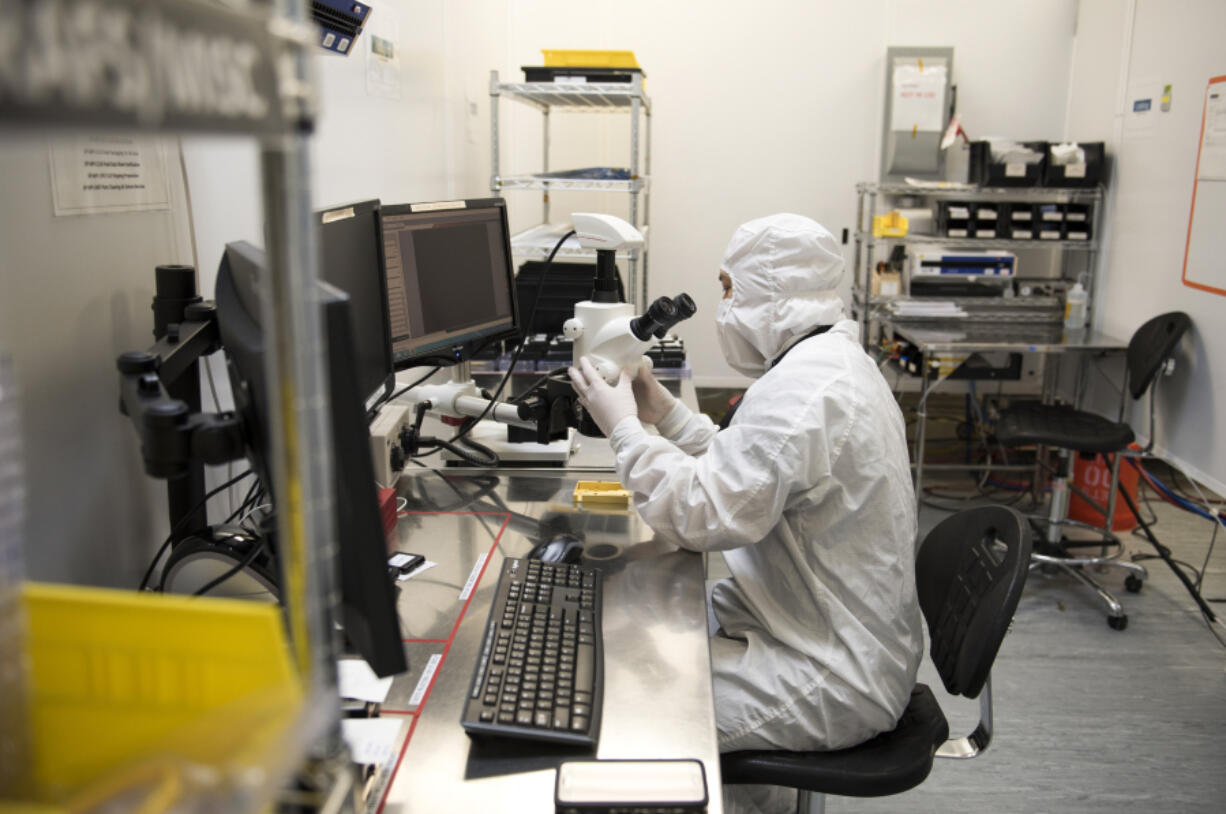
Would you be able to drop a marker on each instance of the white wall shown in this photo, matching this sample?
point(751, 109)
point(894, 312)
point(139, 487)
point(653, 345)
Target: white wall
point(1149, 199)
point(75, 292)
point(418, 142)
point(772, 107)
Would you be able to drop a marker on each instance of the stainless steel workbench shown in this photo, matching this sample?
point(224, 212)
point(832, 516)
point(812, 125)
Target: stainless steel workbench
point(964, 337)
point(657, 693)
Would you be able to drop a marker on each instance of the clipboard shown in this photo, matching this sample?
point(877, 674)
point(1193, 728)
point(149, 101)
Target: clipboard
point(1204, 256)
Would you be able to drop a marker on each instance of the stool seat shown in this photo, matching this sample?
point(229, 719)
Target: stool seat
point(890, 763)
point(1059, 426)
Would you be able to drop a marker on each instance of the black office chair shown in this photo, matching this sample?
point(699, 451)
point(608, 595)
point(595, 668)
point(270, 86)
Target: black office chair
point(1071, 430)
point(969, 576)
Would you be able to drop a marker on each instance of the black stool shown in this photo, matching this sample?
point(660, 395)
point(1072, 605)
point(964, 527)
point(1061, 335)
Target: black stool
point(1070, 430)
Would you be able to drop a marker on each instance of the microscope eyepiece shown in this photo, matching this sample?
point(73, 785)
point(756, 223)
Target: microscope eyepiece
point(662, 315)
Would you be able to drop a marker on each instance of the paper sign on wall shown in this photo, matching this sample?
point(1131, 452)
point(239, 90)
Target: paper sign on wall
point(383, 55)
point(919, 98)
point(1213, 141)
point(108, 173)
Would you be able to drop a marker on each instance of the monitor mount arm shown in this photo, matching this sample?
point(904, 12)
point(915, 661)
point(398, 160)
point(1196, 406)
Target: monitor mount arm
point(159, 390)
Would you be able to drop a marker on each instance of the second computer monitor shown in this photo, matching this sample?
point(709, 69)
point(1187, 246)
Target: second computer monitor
point(350, 258)
point(450, 282)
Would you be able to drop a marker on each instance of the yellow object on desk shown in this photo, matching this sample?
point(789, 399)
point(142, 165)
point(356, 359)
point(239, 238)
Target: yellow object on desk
point(605, 493)
point(891, 224)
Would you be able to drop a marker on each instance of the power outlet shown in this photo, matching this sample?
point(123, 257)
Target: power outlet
point(385, 442)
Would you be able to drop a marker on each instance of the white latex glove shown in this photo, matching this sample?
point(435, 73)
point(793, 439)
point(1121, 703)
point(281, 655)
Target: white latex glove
point(607, 405)
point(653, 399)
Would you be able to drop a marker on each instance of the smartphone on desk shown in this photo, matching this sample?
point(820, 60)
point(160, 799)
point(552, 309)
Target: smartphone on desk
point(591, 786)
point(401, 564)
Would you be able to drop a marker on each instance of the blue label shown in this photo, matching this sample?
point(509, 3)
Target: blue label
point(1142, 105)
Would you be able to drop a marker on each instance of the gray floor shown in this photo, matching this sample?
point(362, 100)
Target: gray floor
point(1089, 718)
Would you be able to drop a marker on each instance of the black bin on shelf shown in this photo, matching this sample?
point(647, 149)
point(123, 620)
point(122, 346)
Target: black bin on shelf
point(1088, 174)
point(985, 172)
point(956, 219)
point(1019, 222)
point(1078, 220)
point(1049, 221)
point(986, 215)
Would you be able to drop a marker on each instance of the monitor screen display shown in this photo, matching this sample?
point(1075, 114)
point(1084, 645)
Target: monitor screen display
point(351, 258)
point(450, 284)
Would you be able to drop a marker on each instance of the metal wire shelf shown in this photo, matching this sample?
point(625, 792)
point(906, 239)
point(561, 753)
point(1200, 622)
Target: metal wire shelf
point(540, 240)
point(536, 182)
point(588, 95)
point(1028, 194)
point(981, 242)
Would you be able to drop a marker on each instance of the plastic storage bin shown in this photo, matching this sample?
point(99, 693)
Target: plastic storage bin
point(1093, 476)
point(986, 220)
point(146, 694)
point(955, 219)
point(1021, 222)
point(986, 172)
point(1086, 174)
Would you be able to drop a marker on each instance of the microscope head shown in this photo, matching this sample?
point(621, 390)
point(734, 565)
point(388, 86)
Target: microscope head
point(595, 230)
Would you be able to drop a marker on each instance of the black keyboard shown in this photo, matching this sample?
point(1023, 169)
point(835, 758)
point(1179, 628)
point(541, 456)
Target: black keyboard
point(540, 672)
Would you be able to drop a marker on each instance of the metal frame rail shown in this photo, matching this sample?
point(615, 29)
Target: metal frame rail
point(584, 97)
point(257, 83)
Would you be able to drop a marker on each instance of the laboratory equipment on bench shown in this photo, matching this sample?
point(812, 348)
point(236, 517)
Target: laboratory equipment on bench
point(428, 256)
point(962, 263)
point(450, 294)
point(540, 672)
point(603, 329)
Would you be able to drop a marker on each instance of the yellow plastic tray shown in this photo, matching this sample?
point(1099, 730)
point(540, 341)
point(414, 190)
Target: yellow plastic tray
point(589, 59)
point(125, 686)
point(891, 224)
point(604, 493)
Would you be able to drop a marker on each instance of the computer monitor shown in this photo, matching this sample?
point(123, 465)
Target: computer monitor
point(450, 282)
point(351, 258)
point(368, 596)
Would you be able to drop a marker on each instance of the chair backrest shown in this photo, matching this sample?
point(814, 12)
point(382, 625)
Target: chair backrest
point(969, 575)
point(1151, 345)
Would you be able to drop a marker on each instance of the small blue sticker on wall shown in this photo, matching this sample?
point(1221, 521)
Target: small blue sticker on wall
point(1142, 105)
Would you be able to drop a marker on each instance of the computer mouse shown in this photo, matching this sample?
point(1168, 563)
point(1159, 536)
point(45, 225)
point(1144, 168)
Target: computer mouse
point(562, 548)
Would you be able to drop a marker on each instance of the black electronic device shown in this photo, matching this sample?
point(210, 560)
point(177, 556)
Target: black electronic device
point(965, 287)
point(563, 73)
point(351, 258)
point(340, 23)
point(540, 672)
point(368, 597)
point(450, 280)
point(565, 285)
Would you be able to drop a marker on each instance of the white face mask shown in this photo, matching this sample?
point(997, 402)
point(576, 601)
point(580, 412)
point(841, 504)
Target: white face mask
point(739, 353)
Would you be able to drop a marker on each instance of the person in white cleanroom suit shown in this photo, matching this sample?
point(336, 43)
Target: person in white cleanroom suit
point(807, 492)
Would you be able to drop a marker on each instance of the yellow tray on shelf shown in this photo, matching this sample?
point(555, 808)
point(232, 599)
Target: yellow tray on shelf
point(141, 693)
point(589, 59)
